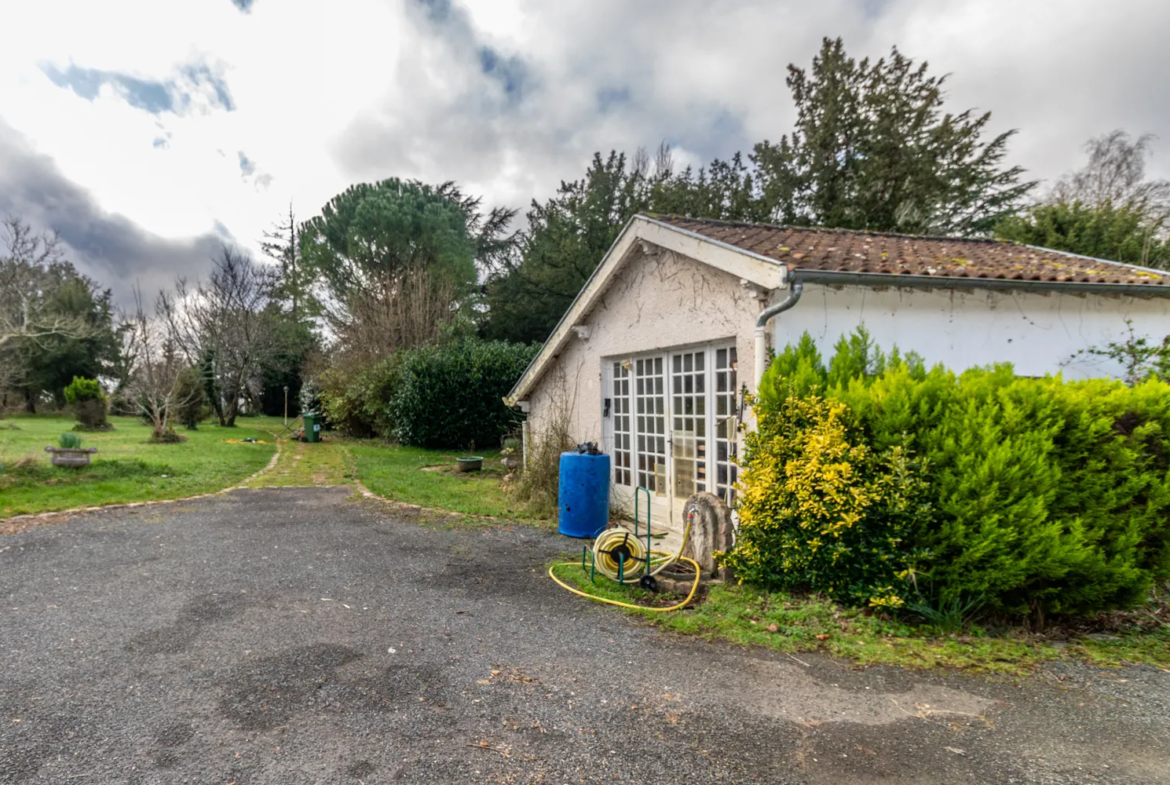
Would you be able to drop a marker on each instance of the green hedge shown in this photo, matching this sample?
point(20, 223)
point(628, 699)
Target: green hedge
point(1041, 496)
point(450, 396)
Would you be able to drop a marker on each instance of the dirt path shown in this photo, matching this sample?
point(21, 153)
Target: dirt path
point(318, 465)
point(292, 636)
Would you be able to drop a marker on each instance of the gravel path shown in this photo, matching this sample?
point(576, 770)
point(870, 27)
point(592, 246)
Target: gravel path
point(292, 636)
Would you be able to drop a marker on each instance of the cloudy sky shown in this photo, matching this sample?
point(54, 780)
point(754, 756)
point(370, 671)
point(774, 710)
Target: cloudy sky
point(146, 132)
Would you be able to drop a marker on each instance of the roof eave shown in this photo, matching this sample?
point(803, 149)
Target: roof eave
point(841, 277)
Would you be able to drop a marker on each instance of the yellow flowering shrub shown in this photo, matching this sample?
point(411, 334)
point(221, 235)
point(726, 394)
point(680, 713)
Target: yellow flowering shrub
point(819, 510)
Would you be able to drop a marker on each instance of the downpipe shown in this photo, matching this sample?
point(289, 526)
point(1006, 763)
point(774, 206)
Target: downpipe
point(795, 289)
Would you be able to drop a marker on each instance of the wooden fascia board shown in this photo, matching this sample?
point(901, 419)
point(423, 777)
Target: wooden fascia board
point(759, 270)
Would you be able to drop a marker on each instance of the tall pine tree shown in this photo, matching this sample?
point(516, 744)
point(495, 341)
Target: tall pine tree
point(873, 149)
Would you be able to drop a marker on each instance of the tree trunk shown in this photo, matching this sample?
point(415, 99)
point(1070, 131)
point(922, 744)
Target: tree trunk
point(30, 401)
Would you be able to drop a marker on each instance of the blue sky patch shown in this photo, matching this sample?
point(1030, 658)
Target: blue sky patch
point(247, 165)
point(149, 95)
point(201, 74)
point(154, 97)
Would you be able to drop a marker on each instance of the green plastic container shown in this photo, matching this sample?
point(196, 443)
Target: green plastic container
point(312, 427)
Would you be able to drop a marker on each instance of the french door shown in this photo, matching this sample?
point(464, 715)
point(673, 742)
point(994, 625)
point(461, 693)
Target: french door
point(672, 425)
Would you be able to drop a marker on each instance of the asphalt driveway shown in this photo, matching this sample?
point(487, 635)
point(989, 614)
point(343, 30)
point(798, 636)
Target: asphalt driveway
point(292, 636)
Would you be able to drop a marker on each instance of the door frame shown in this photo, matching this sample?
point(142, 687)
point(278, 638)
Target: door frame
point(667, 504)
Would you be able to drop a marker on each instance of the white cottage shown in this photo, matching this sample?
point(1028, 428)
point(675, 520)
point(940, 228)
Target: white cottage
point(653, 357)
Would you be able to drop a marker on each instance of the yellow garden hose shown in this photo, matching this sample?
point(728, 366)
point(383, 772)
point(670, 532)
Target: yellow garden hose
point(635, 563)
point(579, 593)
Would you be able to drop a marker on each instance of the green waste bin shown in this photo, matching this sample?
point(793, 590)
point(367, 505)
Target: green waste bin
point(312, 427)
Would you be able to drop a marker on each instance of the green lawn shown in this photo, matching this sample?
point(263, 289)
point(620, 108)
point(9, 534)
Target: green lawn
point(125, 469)
point(744, 616)
point(427, 478)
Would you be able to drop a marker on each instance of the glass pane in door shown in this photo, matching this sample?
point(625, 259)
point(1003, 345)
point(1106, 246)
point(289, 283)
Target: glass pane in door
point(622, 469)
point(726, 424)
point(650, 423)
point(689, 422)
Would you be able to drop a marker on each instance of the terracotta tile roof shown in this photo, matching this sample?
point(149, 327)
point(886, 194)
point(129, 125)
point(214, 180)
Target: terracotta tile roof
point(839, 250)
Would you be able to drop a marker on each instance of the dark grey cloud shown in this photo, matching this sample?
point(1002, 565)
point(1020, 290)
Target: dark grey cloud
point(612, 98)
point(110, 248)
point(479, 106)
point(510, 72)
point(440, 11)
point(156, 97)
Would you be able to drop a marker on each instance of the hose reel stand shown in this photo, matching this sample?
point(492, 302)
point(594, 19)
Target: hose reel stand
point(625, 558)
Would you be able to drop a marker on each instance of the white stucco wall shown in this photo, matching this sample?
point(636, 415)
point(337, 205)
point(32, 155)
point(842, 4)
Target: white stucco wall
point(1037, 333)
point(656, 302)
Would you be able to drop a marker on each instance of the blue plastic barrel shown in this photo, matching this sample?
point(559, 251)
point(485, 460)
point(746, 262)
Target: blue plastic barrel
point(583, 508)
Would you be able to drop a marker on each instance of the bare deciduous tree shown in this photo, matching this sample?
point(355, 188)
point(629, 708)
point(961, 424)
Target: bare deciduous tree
point(1116, 175)
point(405, 312)
point(155, 382)
point(220, 327)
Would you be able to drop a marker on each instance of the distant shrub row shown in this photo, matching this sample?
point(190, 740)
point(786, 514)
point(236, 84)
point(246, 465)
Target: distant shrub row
point(435, 396)
point(880, 482)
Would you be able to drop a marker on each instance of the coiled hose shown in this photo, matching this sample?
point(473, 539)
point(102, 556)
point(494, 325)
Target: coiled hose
point(606, 549)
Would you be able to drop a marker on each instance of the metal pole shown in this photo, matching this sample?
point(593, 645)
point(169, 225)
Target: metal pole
point(286, 405)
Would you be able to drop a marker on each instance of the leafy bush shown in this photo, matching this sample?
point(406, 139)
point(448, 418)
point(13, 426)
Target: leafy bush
point(1045, 496)
point(820, 510)
point(69, 441)
point(357, 403)
point(89, 403)
point(82, 389)
point(449, 396)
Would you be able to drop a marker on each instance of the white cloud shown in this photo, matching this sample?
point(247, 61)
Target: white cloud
point(326, 95)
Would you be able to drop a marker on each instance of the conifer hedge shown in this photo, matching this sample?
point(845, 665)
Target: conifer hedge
point(453, 395)
point(1021, 495)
